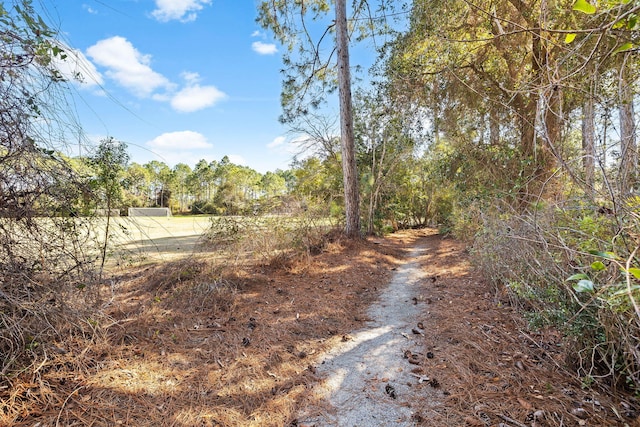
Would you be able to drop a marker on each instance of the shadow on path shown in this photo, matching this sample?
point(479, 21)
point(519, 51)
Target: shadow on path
point(368, 380)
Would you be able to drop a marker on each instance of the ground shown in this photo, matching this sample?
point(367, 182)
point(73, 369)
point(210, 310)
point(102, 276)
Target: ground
point(190, 342)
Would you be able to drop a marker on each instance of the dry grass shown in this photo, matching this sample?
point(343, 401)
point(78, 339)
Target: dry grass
point(492, 370)
point(182, 344)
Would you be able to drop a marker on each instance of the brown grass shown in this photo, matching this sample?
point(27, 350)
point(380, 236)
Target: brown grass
point(182, 344)
point(492, 370)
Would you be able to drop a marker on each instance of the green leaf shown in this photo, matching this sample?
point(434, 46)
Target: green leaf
point(583, 286)
point(624, 291)
point(619, 24)
point(606, 255)
point(623, 48)
point(635, 272)
point(570, 37)
point(584, 7)
point(578, 276)
point(598, 266)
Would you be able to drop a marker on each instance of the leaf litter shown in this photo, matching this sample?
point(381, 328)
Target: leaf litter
point(197, 343)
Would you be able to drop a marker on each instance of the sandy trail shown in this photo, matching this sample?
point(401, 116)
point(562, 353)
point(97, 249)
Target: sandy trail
point(368, 379)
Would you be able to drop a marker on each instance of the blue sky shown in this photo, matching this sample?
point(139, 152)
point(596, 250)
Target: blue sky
point(177, 80)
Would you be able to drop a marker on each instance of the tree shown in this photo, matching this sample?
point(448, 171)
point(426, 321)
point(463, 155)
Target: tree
point(627, 175)
point(317, 181)
point(589, 142)
point(160, 182)
point(43, 262)
point(349, 169)
point(181, 173)
point(137, 183)
point(316, 134)
point(386, 134)
point(237, 187)
point(109, 163)
point(273, 185)
point(495, 62)
point(310, 76)
point(201, 180)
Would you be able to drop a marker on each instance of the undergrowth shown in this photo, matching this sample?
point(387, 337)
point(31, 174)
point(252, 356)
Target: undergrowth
point(572, 265)
point(270, 239)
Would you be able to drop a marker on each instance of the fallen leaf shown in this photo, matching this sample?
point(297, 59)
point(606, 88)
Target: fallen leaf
point(473, 422)
point(526, 405)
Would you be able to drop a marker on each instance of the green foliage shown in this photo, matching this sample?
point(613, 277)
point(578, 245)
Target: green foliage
point(108, 163)
point(570, 267)
point(584, 7)
point(204, 207)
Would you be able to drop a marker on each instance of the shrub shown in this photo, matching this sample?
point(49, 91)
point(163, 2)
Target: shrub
point(270, 238)
point(573, 266)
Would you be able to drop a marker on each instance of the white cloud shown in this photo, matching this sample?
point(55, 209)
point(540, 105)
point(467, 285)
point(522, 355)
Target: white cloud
point(181, 10)
point(76, 67)
point(237, 159)
point(277, 142)
point(89, 9)
point(131, 69)
point(264, 48)
point(289, 146)
point(127, 66)
point(180, 141)
point(257, 33)
point(194, 97)
point(190, 77)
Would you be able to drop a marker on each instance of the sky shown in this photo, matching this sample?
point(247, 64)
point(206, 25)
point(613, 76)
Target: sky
point(177, 80)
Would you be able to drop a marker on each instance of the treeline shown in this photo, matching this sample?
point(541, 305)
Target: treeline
point(394, 180)
point(217, 187)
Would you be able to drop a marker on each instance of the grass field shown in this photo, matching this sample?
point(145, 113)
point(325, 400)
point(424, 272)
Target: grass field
point(143, 239)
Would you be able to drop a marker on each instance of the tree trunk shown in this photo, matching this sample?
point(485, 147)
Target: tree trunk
point(494, 128)
point(349, 169)
point(588, 144)
point(628, 146)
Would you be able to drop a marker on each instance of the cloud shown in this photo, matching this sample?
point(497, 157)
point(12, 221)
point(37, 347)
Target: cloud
point(237, 159)
point(180, 141)
point(194, 97)
point(258, 33)
point(277, 142)
point(89, 9)
point(77, 68)
point(290, 146)
point(264, 48)
point(127, 66)
point(191, 78)
point(131, 69)
point(180, 10)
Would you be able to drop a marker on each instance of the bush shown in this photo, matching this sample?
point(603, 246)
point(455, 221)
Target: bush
point(202, 207)
point(572, 266)
point(270, 238)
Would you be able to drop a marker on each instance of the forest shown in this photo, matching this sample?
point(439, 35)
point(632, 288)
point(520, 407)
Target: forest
point(509, 125)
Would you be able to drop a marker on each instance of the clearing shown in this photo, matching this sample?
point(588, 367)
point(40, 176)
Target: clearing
point(387, 331)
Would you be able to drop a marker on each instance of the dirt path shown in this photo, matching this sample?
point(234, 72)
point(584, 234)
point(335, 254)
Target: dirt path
point(367, 380)
point(395, 331)
point(443, 348)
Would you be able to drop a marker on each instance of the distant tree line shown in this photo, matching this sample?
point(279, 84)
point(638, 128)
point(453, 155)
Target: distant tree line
point(392, 186)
